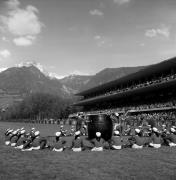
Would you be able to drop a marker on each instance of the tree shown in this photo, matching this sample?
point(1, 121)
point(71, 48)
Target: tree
point(40, 106)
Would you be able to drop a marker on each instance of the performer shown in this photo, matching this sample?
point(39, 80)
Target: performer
point(127, 131)
point(98, 142)
point(116, 141)
point(14, 138)
point(8, 135)
point(21, 141)
point(156, 139)
point(59, 144)
point(137, 142)
point(79, 122)
point(84, 130)
point(32, 133)
point(63, 131)
point(77, 142)
point(72, 131)
point(36, 144)
point(171, 138)
point(164, 129)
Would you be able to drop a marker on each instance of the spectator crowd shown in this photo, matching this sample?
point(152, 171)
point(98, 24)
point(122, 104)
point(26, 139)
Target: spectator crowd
point(124, 88)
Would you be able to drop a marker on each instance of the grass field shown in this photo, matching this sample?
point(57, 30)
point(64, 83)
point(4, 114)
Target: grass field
point(45, 165)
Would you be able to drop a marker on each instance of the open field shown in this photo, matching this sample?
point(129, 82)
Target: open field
point(124, 164)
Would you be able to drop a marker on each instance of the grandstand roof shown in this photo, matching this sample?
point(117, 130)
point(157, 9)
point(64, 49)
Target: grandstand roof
point(147, 72)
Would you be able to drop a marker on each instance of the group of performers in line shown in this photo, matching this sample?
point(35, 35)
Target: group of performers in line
point(28, 141)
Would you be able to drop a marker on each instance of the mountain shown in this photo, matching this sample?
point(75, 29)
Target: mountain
point(24, 80)
point(75, 82)
point(110, 74)
point(78, 83)
point(19, 81)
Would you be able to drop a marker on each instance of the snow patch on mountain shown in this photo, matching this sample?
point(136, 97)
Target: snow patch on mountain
point(32, 63)
point(3, 69)
point(55, 76)
point(42, 69)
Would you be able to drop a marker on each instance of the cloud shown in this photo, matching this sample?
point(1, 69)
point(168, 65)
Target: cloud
point(22, 23)
point(97, 37)
point(2, 29)
point(24, 41)
point(13, 4)
point(102, 41)
point(96, 12)
point(5, 53)
point(151, 33)
point(163, 31)
point(120, 2)
point(5, 39)
point(142, 44)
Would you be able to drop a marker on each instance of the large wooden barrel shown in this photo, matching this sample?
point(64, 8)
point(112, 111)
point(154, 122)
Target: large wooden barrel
point(100, 123)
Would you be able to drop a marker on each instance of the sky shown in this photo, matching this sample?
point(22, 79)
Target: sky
point(86, 36)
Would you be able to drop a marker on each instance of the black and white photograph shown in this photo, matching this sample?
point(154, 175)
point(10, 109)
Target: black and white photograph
point(87, 89)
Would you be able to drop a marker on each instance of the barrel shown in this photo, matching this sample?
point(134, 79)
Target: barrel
point(100, 123)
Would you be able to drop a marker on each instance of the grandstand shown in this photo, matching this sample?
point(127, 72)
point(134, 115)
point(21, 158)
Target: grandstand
point(150, 89)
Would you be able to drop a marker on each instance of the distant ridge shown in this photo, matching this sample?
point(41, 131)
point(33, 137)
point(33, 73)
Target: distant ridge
point(110, 74)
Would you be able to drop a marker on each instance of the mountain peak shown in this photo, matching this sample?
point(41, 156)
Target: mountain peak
point(39, 67)
point(32, 63)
